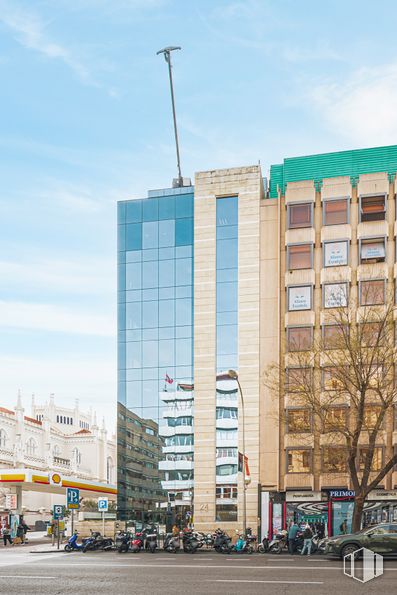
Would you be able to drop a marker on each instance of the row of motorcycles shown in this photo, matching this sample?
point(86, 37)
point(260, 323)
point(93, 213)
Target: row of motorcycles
point(189, 541)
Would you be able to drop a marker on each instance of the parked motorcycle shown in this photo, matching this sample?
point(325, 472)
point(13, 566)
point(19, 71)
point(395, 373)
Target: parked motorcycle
point(72, 544)
point(137, 542)
point(190, 542)
point(222, 542)
point(97, 542)
point(278, 543)
point(171, 543)
point(244, 545)
point(122, 542)
point(151, 541)
point(263, 547)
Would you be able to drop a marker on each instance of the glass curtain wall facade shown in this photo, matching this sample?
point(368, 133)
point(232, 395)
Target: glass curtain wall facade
point(155, 337)
point(226, 357)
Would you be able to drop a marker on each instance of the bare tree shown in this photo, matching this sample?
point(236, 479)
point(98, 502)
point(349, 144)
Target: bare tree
point(343, 381)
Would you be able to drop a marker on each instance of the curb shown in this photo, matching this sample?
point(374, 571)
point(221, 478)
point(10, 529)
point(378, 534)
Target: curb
point(48, 552)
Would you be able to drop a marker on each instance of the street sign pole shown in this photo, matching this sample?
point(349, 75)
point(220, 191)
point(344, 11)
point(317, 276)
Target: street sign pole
point(72, 521)
point(103, 523)
point(58, 534)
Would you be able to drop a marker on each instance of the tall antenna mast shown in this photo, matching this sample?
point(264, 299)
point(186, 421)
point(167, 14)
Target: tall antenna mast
point(178, 183)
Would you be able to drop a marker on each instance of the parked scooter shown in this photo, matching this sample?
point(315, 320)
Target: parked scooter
point(244, 544)
point(72, 544)
point(222, 542)
point(122, 542)
point(151, 541)
point(97, 542)
point(263, 547)
point(171, 543)
point(190, 542)
point(137, 542)
point(278, 543)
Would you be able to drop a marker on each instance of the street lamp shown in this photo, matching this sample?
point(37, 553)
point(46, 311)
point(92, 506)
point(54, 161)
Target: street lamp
point(234, 375)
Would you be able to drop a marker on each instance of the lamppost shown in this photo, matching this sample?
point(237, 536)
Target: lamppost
point(234, 375)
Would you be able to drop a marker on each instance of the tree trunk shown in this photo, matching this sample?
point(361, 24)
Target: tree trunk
point(357, 513)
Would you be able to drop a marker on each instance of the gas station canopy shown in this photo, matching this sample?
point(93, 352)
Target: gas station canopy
point(53, 482)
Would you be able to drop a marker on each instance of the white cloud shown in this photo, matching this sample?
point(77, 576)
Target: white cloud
point(361, 109)
point(51, 317)
point(87, 277)
point(30, 31)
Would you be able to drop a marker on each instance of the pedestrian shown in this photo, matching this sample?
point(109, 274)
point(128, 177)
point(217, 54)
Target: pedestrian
point(21, 533)
point(343, 527)
point(7, 536)
point(292, 533)
point(307, 540)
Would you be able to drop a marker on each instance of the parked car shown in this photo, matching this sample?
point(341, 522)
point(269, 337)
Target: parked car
point(381, 539)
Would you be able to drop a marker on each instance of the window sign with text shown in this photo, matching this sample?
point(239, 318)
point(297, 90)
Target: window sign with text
point(372, 250)
point(335, 295)
point(299, 298)
point(335, 254)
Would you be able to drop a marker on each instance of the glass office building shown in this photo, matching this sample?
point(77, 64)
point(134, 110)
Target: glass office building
point(155, 338)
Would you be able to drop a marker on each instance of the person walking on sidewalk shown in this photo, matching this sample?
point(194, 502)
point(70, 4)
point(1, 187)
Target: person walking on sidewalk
point(292, 533)
point(307, 540)
point(7, 536)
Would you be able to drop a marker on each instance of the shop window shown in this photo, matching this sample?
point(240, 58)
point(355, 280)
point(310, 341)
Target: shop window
point(299, 256)
point(299, 460)
point(299, 338)
point(333, 378)
point(377, 459)
point(372, 250)
point(300, 215)
point(300, 298)
point(226, 512)
point(299, 421)
point(335, 295)
point(335, 336)
point(336, 253)
point(335, 419)
point(372, 293)
point(298, 379)
point(333, 460)
point(372, 208)
point(335, 212)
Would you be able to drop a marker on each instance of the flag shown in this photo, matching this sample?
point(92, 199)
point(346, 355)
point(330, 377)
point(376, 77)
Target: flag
point(247, 471)
point(168, 379)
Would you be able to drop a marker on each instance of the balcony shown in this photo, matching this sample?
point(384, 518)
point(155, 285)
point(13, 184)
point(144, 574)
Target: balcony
point(226, 460)
point(60, 462)
point(228, 479)
point(233, 442)
point(178, 448)
point(227, 423)
point(177, 484)
point(171, 412)
point(176, 395)
point(173, 431)
point(178, 465)
point(227, 400)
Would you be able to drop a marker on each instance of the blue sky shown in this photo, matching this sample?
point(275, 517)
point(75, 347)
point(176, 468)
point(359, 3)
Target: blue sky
point(86, 121)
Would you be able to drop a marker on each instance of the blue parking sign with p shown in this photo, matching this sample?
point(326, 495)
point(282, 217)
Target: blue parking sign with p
point(103, 504)
point(73, 498)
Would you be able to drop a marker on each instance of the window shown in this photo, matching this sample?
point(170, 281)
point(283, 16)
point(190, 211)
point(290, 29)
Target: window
point(178, 421)
point(56, 451)
point(334, 336)
point(372, 250)
point(300, 215)
point(299, 421)
point(372, 334)
point(371, 416)
point(224, 452)
point(334, 460)
point(226, 435)
point(335, 295)
point(298, 379)
point(335, 253)
point(76, 456)
point(377, 459)
point(372, 208)
point(226, 469)
point(335, 212)
point(179, 440)
point(333, 378)
point(335, 419)
point(109, 470)
point(226, 413)
point(3, 438)
point(299, 256)
point(226, 491)
point(372, 293)
point(31, 447)
point(299, 298)
point(299, 338)
point(299, 460)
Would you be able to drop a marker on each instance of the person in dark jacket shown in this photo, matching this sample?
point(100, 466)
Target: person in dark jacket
point(307, 540)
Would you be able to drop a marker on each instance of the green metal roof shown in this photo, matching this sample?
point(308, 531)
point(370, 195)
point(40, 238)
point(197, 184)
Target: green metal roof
point(329, 165)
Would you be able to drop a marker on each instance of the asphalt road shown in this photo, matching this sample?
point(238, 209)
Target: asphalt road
point(162, 573)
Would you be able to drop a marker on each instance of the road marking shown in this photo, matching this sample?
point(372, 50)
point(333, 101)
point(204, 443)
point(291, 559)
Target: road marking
point(224, 580)
point(27, 576)
point(239, 559)
point(206, 566)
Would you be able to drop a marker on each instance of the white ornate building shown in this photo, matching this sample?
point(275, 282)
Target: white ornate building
point(54, 439)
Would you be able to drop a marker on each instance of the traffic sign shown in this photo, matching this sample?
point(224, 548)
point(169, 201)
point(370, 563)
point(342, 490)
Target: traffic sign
point(73, 498)
point(58, 512)
point(103, 504)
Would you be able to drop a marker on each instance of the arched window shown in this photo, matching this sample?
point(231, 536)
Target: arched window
point(77, 456)
point(3, 438)
point(56, 451)
point(31, 447)
point(109, 470)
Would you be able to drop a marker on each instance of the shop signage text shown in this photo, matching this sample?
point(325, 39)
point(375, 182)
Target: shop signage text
point(303, 496)
point(382, 495)
point(342, 493)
